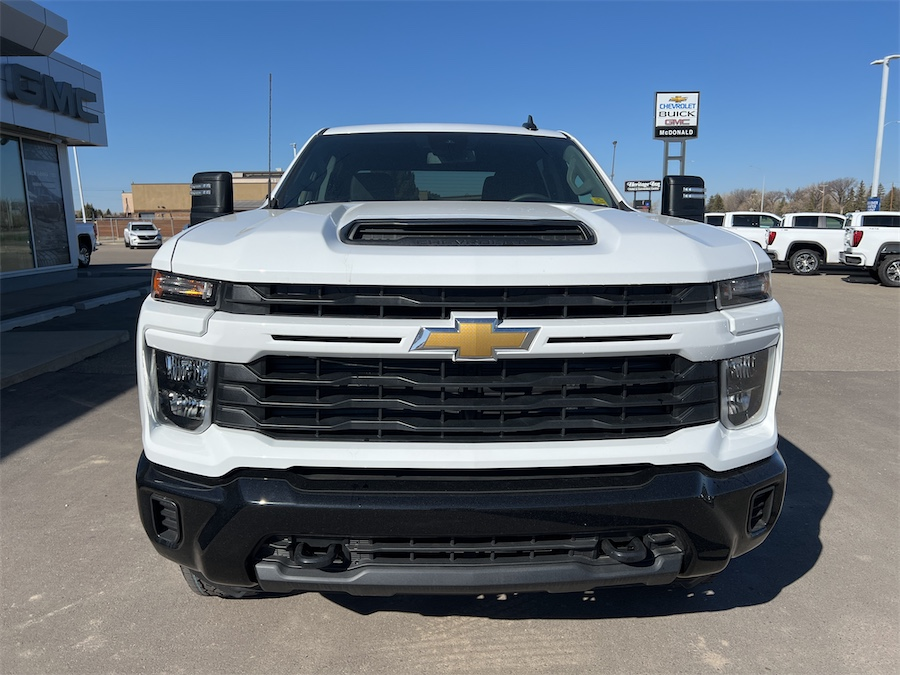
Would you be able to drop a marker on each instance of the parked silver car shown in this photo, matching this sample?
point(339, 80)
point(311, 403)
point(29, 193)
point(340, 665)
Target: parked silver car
point(140, 234)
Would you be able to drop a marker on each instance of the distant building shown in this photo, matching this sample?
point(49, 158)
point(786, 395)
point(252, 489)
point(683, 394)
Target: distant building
point(148, 200)
point(48, 103)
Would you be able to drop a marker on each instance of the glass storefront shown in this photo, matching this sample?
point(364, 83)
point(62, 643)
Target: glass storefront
point(33, 230)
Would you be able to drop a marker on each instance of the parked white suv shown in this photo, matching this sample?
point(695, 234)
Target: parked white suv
point(872, 241)
point(141, 234)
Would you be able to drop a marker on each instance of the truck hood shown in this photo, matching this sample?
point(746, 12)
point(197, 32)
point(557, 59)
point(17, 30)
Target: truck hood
point(303, 245)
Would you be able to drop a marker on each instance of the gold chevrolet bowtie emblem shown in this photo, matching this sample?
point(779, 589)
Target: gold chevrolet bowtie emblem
point(474, 339)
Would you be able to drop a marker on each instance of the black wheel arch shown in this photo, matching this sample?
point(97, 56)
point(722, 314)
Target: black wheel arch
point(806, 246)
point(888, 248)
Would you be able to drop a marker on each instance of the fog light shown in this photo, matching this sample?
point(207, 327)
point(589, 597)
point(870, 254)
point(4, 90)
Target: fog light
point(746, 388)
point(183, 389)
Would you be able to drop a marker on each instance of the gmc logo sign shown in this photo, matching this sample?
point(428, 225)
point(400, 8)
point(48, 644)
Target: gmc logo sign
point(31, 87)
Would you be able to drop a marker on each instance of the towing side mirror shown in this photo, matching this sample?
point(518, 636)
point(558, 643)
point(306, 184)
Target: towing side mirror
point(212, 195)
point(684, 197)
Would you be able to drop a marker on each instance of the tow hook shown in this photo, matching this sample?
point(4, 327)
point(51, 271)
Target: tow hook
point(632, 552)
point(305, 555)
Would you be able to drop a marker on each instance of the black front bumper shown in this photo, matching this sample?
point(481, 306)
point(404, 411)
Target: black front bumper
point(387, 532)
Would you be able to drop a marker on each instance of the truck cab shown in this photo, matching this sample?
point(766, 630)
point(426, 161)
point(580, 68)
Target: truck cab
point(752, 225)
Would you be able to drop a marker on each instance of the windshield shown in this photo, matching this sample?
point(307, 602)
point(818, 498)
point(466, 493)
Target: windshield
point(137, 226)
point(418, 166)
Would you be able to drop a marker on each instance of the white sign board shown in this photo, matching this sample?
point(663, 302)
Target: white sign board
point(643, 185)
point(676, 115)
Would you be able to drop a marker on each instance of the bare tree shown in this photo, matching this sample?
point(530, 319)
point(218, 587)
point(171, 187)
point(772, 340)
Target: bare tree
point(841, 191)
point(839, 195)
point(741, 200)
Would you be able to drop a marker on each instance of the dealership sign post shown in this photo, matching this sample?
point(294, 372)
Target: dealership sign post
point(676, 120)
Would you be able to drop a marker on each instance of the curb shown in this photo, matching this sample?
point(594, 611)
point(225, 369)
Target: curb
point(37, 317)
point(56, 312)
point(107, 299)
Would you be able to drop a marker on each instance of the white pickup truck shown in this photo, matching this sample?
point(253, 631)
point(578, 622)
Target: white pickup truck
point(86, 238)
point(806, 241)
point(752, 225)
point(872, 241)
point(451, 359)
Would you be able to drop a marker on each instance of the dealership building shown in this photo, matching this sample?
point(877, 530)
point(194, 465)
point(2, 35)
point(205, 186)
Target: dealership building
point(49, 103)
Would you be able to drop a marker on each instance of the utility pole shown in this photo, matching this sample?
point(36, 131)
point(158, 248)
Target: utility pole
point(80, 191)
point(885, 68)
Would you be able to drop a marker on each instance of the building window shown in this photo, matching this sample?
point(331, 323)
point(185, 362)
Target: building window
point(45, 201)
point(33, 230)
point(15, 233)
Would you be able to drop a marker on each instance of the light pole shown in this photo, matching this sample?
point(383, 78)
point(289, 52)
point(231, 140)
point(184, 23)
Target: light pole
point(612, 172)
point(885, 69)
point(80, 192)
point(762, 197)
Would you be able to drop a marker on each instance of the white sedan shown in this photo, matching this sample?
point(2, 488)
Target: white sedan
point(141, 234)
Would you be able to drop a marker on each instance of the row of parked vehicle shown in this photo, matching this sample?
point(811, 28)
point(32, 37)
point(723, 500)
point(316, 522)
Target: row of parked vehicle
point(806, 241)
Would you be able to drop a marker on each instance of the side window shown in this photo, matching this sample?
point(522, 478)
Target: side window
point(768, 221)
point(582, 181)
point(806, 221)
point(879, 220)
point(834, 223)
point(715, 220)
point(744, 220)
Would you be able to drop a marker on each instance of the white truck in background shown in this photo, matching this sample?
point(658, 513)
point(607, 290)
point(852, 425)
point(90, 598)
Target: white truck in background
point(806, 241)
point(752, 225)
point(872, 241)
point(86, 238)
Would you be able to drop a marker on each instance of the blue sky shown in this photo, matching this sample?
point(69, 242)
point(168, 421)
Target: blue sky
point(787, 95)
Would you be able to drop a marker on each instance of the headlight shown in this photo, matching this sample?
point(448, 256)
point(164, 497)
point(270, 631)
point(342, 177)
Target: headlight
point(746, 383)
point(744, 290)
point(183, 289)
point(184, 390)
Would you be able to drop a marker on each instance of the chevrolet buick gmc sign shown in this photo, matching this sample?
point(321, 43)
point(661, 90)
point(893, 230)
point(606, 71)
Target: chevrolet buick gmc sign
point(677, 115)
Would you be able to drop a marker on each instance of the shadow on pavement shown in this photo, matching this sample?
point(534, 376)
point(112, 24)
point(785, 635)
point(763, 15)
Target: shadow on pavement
point(754, 579)
point(852, 275)
point(37, 407)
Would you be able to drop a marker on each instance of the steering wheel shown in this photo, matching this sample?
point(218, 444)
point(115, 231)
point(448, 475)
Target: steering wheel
point(529, 195)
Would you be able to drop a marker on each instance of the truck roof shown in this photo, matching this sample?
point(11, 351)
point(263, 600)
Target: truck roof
point(442, 128)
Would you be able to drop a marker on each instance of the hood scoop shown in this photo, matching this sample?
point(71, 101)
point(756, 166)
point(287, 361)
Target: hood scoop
point(468, 232)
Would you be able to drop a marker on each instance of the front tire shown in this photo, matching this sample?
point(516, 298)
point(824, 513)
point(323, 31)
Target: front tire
point(805, 262)
point(889, 271)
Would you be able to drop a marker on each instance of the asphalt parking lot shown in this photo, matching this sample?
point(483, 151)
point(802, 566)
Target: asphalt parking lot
point(84, 592)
